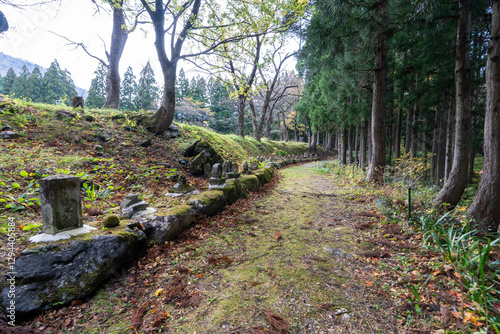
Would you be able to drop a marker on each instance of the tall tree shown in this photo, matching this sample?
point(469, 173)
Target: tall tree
point(485, 208)
point(97, 91)
point(147, 91)
point(457, 180)
point(183, 85)
point(217, 27)
point(223, 118)
point(57, 84)
point(34, 88)
point(8, 81)
point(119, 38)
point(377, 162)
point(20, 84)
point(128, 90)
point(243, 82)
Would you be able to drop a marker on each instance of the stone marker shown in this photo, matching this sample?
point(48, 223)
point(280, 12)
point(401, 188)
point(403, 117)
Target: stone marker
point(216, 181)
point(254, 164)
point(207, 169)
point(181, 187)
point(217, 171)
point(61, 203)
point(244, 166)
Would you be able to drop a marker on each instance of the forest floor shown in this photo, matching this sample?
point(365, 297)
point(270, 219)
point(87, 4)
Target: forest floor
point(311, 252)
point(303, 255)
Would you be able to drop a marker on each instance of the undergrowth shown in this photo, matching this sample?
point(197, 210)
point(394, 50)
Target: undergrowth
point(472, 256)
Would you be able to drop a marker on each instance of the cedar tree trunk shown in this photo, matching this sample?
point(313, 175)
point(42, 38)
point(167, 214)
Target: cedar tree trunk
point(457, 180)
point(485, 208)
point(377, 161)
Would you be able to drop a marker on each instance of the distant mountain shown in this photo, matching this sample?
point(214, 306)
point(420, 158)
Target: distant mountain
point(17, 64)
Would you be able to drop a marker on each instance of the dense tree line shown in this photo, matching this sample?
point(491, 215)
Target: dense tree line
point(54, 85)
point(141, 95)
point(391, 77)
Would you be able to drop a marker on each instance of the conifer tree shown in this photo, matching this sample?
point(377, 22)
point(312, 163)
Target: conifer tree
point(198, 89)
point(128, 90)
point(183, 85)
point(147, 91)
point(34, 85)
point(8, 81)
point(19, 86)
point(55, 84)
point(97, 91)
point(223, 118)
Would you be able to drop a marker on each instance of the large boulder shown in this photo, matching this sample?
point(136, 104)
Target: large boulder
point(196, 165)
point(56, 274)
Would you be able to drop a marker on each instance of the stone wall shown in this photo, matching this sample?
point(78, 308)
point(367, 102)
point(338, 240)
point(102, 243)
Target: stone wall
point(58, 273)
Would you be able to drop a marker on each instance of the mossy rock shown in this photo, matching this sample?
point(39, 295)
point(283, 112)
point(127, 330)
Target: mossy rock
point(181, 188)
point(62, 273)
point(111, 221)
point(233, 190)
point(265, 175)
point(204, 145)
point(196, 165)
point(179, 210)
point(208, 203)
point(251, 182)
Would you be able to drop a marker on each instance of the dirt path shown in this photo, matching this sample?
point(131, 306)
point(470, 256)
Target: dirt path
point(292, 254)
point(284, 259)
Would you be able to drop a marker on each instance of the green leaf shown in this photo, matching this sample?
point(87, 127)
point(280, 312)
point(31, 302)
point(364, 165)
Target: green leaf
point(24, 173)
point(8, 206)
point(16, 185)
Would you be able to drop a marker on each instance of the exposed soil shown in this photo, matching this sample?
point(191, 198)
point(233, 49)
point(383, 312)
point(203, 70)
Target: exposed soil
point(297, 257)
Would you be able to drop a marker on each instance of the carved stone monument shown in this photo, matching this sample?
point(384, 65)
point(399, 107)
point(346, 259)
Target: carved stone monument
point(244, 166)
point(216, 181)
point(61, 203)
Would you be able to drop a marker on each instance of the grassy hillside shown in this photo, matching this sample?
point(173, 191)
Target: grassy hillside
point(103, 148)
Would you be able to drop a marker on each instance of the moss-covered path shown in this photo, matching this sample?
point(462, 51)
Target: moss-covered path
point(292, 254)
point(282, 261)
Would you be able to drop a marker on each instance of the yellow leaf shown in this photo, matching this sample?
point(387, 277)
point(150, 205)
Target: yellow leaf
point(158, 292)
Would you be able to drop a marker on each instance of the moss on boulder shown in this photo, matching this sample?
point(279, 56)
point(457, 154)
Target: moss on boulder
point(265, 175)
point(251, 182)
point(208, 203)
point(66, 272)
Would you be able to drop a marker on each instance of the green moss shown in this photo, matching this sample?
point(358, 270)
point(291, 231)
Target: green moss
point(230, 192)
point(251, 182)
point(233, 190)
point(179, 210)
point(208, 197)
point(111, 221)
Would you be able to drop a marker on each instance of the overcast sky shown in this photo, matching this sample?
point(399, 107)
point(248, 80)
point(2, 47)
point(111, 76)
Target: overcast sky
point(29, 38)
